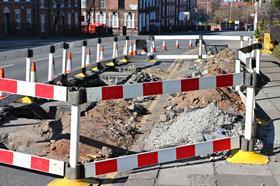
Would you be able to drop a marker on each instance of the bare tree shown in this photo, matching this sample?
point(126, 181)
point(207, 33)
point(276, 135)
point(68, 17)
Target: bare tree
point(91, 6)
point(55, 7)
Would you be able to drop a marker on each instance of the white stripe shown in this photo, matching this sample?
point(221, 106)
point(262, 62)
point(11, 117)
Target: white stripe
point(177, 37)
point(22, 160)
point(127, 163)
point(94, 94)
point(26, 88)
point(56, 167)
point(235, 142)
point(243, 57)
point(220, 38)
point(204, 148)
point(207, 82)
point(166, 155)
point(172, 86)
point(60, 93)
point(176, 56)
point(132, 90)
point(90, 170)
point(238, 79)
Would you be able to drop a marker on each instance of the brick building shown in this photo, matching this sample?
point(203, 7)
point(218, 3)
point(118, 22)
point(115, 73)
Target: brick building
point(114, 14)
point(39, 17)
point(157, 16)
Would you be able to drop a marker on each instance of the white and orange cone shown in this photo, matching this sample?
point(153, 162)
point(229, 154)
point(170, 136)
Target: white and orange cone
point(88, 59)
point(177, 45)
point(101, 57)
point(130, 52)
point(164, 46)
point(134, 52)
point(33, 75)
point(190, 44)
point(69, 63)
point(2, 75)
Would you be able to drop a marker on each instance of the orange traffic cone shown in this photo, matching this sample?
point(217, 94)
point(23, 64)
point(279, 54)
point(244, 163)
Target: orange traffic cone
point(130, 52)
point(87, 58)
point(190, 44)
point(33, 75)
point(101, 57)
point(177, 44)
point(164, 47)
point(134, 52)
point(2, 75)
point(69, 63)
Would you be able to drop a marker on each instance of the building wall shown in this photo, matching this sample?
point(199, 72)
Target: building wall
point(112, 9)
point(41, 21)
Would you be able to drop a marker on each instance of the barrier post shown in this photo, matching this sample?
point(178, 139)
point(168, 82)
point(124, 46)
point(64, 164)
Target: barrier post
point(241, 42)
point(237, 70)
point(125, 49)
point(64, 57)
point(98, 50)
point(84, 54)
point(200, 47)
point(51, 70)
point(115, 48)
point(28, 64)
point(258, 58)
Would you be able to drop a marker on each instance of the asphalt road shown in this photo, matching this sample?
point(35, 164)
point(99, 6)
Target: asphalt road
point(16, 69)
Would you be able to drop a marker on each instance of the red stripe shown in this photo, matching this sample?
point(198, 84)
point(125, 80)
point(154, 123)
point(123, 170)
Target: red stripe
point(106, 167)
point(147, 159)
point(113, 92)
point(224, 80)
point(40, 164)
point(8, 85)
point(221, 145)
point(6, 157)
point(185, 152)
point(44, 91)
point(190, 84)
point(152, 88)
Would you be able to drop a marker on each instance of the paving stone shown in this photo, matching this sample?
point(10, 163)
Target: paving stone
point(277, 178)
point(205, 180)
point(144, 174)
point(269, 108)
point(140, 182)
point(222, 168)
point(248, 180)
point(182, 175)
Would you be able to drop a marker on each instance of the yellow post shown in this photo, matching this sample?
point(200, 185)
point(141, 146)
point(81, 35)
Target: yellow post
point(268, 46)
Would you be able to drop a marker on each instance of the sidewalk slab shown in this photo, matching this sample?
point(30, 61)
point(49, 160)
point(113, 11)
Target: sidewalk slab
point(224, 168)
point(186, 175)
point(248, 180)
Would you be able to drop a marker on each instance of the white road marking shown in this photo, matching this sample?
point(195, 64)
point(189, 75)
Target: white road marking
point(5, 66)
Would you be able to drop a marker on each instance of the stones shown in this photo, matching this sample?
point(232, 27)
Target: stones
point(163, 118)
point(106, 152)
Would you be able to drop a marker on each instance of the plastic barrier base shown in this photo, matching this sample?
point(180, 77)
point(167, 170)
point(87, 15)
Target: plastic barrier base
point(266, 51)
point(26, 100)
point(67, 182)
point(81, 75)
point(110, 64)
point(152, 61)
point(242, 157)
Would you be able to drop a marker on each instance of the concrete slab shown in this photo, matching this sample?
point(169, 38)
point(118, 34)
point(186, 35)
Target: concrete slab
point(144, 174)
point(248, 180)
point(205, 180)
point(185, 174)
point(276, 124)
point(269, 108)
point(224, 168)
point(140, 182)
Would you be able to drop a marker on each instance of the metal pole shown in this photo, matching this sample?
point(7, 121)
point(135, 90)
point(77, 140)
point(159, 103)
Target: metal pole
point(64, 56)
point(75, 135)
point(28, 65)
point(200, 47)
point(237, 70)
point(98, 50)
point(241, 42)
point(51, 63)
point(256, 15)
point(258, 58)
point(84, 54)
point(249, 118)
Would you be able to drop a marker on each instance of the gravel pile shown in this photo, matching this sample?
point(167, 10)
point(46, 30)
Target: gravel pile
point(195, 125)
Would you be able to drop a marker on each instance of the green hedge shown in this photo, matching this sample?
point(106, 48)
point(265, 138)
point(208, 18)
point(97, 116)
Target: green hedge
point(276, 51)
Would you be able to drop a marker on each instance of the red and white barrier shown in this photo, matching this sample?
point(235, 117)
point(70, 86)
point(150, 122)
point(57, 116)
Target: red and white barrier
point(162, 87)
point(32, 162)
point(39, 90)
point(127, 163)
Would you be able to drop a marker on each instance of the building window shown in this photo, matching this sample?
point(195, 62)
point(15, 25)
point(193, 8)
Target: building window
point(121, 4)
point(102, 4)
point(129, 20)
point(76, 3)
point(17, 18)
point(42, 3)
point(76, 19)
point(42, 22)
point(114, 20)
point(69, 20)
point(29, 17)
point(101, 18)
